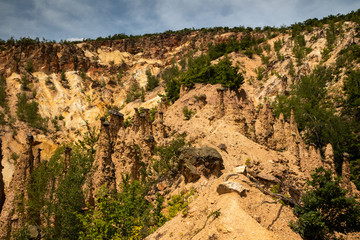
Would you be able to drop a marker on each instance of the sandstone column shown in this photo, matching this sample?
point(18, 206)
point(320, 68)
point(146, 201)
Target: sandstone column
point(2, 187)
point(220, 108)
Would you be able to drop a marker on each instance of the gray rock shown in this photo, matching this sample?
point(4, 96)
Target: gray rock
point(204, 161)
point(228, 187)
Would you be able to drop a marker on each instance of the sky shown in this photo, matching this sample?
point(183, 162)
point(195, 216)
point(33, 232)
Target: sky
point(76, 19)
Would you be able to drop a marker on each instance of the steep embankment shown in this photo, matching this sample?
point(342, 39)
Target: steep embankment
point(76, 84)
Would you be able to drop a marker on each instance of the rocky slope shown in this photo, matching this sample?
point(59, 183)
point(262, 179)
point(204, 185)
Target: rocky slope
point(76, 84)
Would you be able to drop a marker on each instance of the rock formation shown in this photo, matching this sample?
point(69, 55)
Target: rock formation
point(37, 159)
point(11, 218)
point(67, 159)
point(103, 167)
point(220, 108)
point(345, 177)
point(2, 186)
point(197, 162)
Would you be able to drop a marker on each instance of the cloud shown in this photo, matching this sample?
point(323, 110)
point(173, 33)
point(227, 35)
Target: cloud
point(64, 19)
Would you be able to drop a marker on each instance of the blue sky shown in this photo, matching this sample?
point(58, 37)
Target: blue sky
point(67, 19)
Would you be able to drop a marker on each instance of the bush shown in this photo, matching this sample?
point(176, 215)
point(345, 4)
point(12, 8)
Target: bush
point(29, 112)
point(351, 113)
point(325, 208)
point(180, 203)
point(152, 81)
point(3, 101)
point(168, 157)
point(126, 215)
point(200, 70)
point(222, 73)
point(29, 67)
point(134, 92)
point(188, 113)
point(55, 199)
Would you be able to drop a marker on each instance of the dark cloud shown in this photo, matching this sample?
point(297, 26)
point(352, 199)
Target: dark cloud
point(64, 19)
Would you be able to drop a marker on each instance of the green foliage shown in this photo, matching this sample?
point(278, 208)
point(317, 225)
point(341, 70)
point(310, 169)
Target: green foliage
point(82, 74)
point(300, 50)
point(89, 141)
point(64, 80)
point(126, 215)
point(331, 34)
point(2, 119)
point(152, 81)
point(14, 156)
point(188, 113)
point(325, 54)
point(127, 122)
point(152, 113)
point(267, 47)
point(172, 90)
point(25, 83)
point(314, 112)
point(63, 76)
point(260, 73)
point(159, 217)
point(348, 56)
point(351, 113)
point(29, 67)
point(54, 199)
point(168, 161)
point(265, 59)
point(3, 101)
point(29, 112)
point(277, 47)
point(225, 47)
point(199, 70)
point(180, 203)
point(134, 92)
point(325, 208)
point(291, 69)
point(222, 73)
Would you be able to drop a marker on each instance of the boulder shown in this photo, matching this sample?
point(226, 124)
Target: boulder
point(204, 161)
point(228, 187)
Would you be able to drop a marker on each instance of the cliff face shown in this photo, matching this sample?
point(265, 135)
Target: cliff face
point(76, 85)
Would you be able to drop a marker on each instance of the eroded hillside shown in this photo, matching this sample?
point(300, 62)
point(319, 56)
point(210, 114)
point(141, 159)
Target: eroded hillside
point(116, 99)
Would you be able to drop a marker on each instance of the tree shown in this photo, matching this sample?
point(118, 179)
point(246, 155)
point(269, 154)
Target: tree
point(325, 208)
point(315, 113)
point(152, 81)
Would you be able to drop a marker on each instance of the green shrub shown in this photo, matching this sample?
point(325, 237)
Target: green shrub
point(29, 67)
point(222, 73)
point(25, 83)
point(152, 113)
point(126, 215)
point(225, 47)
point(180, 203)
point(331, 34)
point(265, 60)
point(55, 200)
point(260, 73)
point(3, 101)
point(325, 208)
point(348, 56)
point(2, 119)
point(168, 161)
point(351, 114)
point(29, 112)
point(134, 92)
point(300, 50)
point(152, 81)
point(188, 113)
